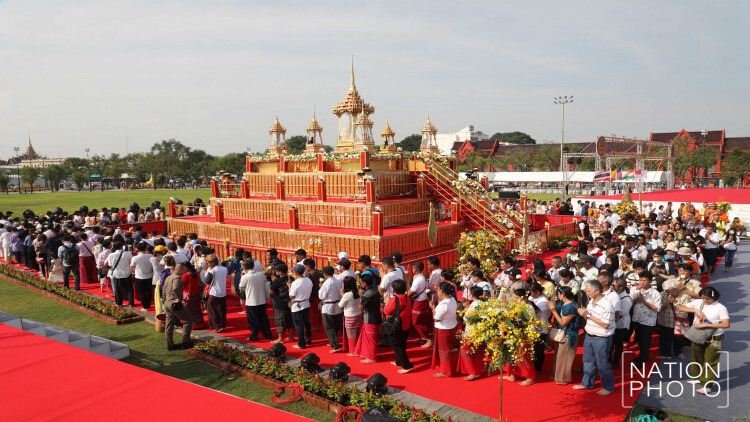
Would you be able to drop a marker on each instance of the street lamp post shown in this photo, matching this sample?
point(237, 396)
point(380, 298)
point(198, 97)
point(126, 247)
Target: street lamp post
point(18, 168)
point(703, 154)
point(88, 168)
point(562, 101)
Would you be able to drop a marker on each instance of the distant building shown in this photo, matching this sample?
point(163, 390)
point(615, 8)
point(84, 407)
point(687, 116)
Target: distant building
point(446, 141)
point(715, 138)
point(30, 158)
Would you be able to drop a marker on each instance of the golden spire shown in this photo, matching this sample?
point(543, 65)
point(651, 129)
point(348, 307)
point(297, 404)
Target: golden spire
point(352, 88)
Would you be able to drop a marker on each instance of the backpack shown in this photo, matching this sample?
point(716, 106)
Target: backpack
point(70, 256)
point(392, 324)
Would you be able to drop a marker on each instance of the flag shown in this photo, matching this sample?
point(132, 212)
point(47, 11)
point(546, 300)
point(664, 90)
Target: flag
point(616, 175)
point(640, 174)
point(629, 175)
point(604, 176)
point(432, 227)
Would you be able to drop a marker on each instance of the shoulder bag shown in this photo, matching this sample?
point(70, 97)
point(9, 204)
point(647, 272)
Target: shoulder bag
point(699, 336)
point(392, 324)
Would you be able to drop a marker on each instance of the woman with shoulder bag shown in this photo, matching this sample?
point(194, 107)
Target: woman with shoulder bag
point(400, 304)
point(671, 323)
point(565, 334)
point(711, 318)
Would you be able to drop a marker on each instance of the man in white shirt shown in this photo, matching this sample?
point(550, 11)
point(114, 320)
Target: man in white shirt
point(421, 314)
point(713, 239)
point(600, 326)
point(389, 274)
point(178, 257)
point(144, 273)
point(646, 305)
point(344, 270)
point(333, 316)
point(586, 272)
point(433, 266)
point(612, 219)
point(253, 285)
point(131, 217)
point(300, 292)
point(118, 263)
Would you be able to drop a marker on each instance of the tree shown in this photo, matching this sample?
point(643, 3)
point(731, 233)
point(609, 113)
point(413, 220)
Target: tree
point(513, 138)
point(116, 166)
point(4, 180)
point(98, 164)
point(171, 156)
point(80, 177)
point(234, 163)
point(522, 160)
point(29, 175)
point(736, 168)
point(54, 174)
point(547, 158)
point(410, 143)
point(295, 145)
point(682, 160)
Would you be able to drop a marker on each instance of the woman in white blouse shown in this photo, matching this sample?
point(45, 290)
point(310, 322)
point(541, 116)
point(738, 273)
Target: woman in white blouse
point(444, 353)
point(709, 314)
point(352, 314)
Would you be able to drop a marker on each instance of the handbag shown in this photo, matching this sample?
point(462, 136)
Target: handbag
point(392, 324)
point(699, 336)
point(558, 335)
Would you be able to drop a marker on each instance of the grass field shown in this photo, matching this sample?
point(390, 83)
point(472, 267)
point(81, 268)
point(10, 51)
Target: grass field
point(147, 347)
point(71, 201)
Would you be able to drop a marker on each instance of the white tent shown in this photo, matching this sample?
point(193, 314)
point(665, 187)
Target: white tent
point(556, 176)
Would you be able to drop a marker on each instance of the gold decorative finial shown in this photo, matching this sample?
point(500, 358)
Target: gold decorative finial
point(351, 86)
point(313, 112)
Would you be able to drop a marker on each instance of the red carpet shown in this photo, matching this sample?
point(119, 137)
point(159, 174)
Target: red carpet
point(551, 402)
point(45, 380)
point(694, 195)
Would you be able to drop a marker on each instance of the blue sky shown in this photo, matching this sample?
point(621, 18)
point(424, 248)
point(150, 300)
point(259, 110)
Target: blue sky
point(213, 74)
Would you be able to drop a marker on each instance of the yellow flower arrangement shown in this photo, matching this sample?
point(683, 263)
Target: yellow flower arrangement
point(507, 330)
point(484, 245)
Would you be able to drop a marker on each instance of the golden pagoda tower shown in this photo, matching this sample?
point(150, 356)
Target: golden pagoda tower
point(388, 135)
point(352, 111)
point(429, 137)
point(314, 136)
point(278, 138)
point(363, 131)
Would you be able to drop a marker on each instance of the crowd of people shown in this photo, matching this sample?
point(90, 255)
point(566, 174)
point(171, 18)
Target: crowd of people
point(620, 281)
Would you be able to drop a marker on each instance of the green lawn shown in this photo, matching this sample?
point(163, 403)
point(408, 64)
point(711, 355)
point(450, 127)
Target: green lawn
point(71, 201)
point(147, 347)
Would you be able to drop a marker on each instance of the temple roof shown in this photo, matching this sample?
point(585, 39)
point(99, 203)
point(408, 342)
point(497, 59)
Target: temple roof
point(314, 126)
point(387, 131)
point(29, 154)
point(352, 102)
point(277, 128)
point(428, 127)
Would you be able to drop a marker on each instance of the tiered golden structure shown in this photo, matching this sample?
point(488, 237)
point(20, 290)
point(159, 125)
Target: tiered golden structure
point(388, 135)
point(278, 138)
point(314, 136)
point(429, 137)
point(353, 113)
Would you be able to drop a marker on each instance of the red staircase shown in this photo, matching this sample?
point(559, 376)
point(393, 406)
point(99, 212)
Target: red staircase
point(474, 205)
